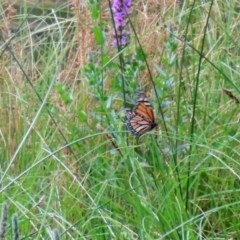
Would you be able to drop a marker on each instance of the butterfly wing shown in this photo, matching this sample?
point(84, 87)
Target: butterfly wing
point(141, 118)
point(143, 107)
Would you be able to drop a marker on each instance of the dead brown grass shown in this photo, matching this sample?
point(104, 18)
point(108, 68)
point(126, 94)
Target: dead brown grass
point(152, 31)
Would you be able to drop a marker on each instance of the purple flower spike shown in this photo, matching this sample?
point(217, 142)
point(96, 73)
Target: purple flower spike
point(120, 9)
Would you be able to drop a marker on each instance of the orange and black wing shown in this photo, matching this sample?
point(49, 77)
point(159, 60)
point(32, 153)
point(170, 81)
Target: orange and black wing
point(141, 118)
point(143, 107)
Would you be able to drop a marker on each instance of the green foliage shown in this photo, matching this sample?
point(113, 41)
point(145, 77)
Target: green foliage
point(63, 93)
point(98, 35)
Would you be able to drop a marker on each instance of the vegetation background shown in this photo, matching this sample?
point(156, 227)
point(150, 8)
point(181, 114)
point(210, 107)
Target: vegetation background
point(69, 169)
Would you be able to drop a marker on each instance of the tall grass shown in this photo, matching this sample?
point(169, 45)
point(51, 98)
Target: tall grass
point(69, 167)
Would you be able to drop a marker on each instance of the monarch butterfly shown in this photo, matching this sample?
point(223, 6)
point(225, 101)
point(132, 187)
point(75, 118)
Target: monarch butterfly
point(141, 118)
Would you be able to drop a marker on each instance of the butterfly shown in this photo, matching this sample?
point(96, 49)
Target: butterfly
point(141, 119)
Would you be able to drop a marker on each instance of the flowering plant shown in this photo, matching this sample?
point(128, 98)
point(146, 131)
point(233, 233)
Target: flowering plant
point(120, 10)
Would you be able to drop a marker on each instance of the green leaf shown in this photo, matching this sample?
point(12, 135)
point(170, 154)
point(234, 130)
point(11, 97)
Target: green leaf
point(98, 35)
point(63, 94)
point(141, 55)
point(82, 116)
point(95, 12)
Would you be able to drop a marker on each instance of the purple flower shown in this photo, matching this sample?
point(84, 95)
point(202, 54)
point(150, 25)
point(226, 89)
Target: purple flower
point(120, 9)
point(122, 40)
